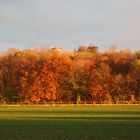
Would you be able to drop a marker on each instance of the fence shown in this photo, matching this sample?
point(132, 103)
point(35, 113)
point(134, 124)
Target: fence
point(69, 103)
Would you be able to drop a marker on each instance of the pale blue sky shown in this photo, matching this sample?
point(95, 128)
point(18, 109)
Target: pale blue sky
point(68, 24)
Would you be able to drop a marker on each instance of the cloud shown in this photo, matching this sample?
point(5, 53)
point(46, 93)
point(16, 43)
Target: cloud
point(68, 24)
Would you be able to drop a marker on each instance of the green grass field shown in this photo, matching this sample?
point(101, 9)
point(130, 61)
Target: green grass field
point(70, 123)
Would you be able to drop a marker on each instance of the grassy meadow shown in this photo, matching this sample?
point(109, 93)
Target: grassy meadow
point(70, 122)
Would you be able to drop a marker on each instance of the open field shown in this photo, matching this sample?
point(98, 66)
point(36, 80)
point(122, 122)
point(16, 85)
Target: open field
point(70, 123)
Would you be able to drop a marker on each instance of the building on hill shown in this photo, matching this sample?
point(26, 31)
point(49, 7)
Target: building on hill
point(57, 50)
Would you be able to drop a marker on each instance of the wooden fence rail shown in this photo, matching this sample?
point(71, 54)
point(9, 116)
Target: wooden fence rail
point(68, 103)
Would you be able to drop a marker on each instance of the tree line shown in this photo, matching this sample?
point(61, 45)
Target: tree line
point(42, 75)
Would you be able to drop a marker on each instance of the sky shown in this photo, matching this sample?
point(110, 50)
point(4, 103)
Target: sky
point(68, 24)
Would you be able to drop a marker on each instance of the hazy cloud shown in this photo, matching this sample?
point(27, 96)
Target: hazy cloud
point(69, 23)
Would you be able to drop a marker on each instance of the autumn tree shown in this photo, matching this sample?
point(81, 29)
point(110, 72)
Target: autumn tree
point(42, 75)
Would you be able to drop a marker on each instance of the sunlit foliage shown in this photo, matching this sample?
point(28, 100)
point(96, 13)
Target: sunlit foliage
point(43, 75)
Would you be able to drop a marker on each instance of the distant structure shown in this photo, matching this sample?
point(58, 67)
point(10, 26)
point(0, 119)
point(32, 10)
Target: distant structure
point(57, 50)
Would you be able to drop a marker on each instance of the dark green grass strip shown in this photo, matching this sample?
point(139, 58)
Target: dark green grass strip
point(70, 123)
